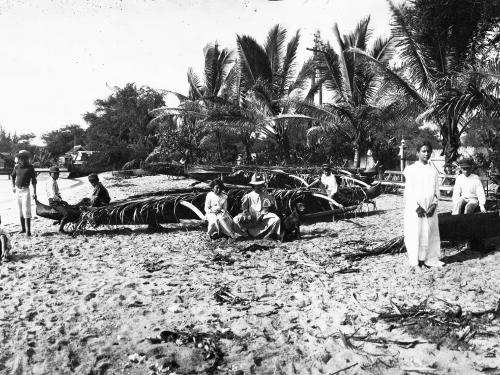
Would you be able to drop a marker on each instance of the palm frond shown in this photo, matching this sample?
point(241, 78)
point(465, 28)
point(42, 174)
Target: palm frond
point(254, 64)
point(287, 72)
point(274, 46)
point(194, 84)
point(302, 80)
point(413, 54)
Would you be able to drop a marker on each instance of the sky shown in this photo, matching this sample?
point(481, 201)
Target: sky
point(58, 56)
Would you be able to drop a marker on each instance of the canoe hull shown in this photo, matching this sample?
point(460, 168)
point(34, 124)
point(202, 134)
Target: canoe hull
point(469, 227)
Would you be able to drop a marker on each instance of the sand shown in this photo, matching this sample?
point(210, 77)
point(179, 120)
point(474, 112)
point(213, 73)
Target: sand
point(87, 305)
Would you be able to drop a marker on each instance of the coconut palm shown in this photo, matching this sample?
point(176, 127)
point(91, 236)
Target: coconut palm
point(270, 81)
point(432, 55)
point(357, 104)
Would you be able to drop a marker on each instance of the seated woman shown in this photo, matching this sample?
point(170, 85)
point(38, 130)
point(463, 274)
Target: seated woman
point(220, 223)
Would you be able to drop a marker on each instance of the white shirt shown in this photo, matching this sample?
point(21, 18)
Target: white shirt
point(422, 186)
point(52, 189)
point(330, 183)
point(469, 188)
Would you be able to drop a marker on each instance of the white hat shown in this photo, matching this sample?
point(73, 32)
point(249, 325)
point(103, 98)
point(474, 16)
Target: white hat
point(257, 180)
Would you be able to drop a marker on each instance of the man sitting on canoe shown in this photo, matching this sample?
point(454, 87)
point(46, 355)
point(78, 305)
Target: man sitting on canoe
point(468, 192)
point(55, 199)
point(256, 220)
point(100, 196)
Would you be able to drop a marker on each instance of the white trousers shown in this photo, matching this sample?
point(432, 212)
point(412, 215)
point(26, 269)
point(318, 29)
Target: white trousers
point(24, 202)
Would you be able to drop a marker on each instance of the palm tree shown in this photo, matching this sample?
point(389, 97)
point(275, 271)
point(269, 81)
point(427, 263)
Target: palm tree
point(434, 50)
point(358, 105)
point(203, 96)
point(268, 80)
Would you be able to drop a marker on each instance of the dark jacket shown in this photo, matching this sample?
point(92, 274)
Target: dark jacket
point(100, 196)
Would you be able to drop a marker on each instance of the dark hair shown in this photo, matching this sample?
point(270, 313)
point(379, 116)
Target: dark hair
point(217, 182)
point(422, 144)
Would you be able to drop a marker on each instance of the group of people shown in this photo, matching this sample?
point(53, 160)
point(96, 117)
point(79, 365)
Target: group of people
point(255, 220)
point(23, 175)
point(421, 227)
point(421, 230)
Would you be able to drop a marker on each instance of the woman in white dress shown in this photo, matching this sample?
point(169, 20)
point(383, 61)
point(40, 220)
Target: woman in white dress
point(220, 223)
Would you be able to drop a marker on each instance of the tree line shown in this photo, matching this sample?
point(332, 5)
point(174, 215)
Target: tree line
point(436, 77)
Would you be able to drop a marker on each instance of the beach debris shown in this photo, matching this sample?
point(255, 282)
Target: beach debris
point(223, 259)
point(137, 358)
point(223, 295)
point(450, 327)
point(393, 246)
point(255, 247)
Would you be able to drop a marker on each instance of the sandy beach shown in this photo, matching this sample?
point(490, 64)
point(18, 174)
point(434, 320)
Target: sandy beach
point(121, 300)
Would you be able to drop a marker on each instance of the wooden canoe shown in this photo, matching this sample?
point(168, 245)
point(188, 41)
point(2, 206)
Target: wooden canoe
point(476, 226)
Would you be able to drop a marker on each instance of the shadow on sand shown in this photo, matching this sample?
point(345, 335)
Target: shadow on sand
point(466, 255)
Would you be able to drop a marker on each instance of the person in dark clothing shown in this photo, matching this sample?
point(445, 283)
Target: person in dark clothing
point(100, 196)
point(22, 175)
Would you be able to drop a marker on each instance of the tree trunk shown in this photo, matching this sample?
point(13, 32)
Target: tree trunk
point(450, 140)
point(357, 159)
point(283, 145)
point(248, 149)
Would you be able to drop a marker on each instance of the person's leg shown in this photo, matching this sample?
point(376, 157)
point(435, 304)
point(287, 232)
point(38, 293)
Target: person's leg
point(64, 212)
point(471, 206)
point(459, 207)
point(26, 201)
point(20, 206)
point(273, 225)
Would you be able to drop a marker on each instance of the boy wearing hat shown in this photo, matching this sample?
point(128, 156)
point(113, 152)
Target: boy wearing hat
point(468, 192)
point(256, 219)
point(100, 196)
point(22, 175)
point(54, 197)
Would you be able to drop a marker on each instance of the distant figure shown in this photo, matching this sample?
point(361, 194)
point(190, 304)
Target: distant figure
point(329, 181)
point(100, 196)
point(22, 175)
point(256, 220)
point(468, 192)
point(421, 230)
point(220, 223)
point(55, 199)
point(239, 159)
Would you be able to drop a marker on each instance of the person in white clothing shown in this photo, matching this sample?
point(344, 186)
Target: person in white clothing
point(421, 230)
point(220, 223)
point(468, 192)
point(329, 181)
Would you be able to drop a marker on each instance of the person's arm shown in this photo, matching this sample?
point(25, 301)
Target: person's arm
point(224, 204)
point(432, 208)
point(481, 197)
point(207, 204)
point(457, 191)
point(33, 181)
point(13, 175)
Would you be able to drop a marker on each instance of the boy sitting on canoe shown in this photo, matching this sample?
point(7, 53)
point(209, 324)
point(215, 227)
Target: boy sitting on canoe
point(468, 192)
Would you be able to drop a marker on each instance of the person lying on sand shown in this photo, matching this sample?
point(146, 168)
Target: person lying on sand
point(256, 220)
point(421, 230)
point(220, 223)
point(22, 175)
point(5, 245)
point(100, 196)
point(55, 199)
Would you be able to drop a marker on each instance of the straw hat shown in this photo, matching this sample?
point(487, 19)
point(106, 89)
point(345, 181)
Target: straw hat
point(466, 163)
point(54, 169)
point(257, 180)
point(326, 166)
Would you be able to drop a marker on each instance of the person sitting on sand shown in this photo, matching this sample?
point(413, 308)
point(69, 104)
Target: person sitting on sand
point(54, 197)
point(220, 223)
point(5, 245)
point(22, 175)
point(256, 220)
point(421, 230)
point(100, 196)
point(468, 192)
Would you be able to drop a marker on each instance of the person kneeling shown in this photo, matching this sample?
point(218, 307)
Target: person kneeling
point(256, 220)
point(54, 197)
point(220, 223)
